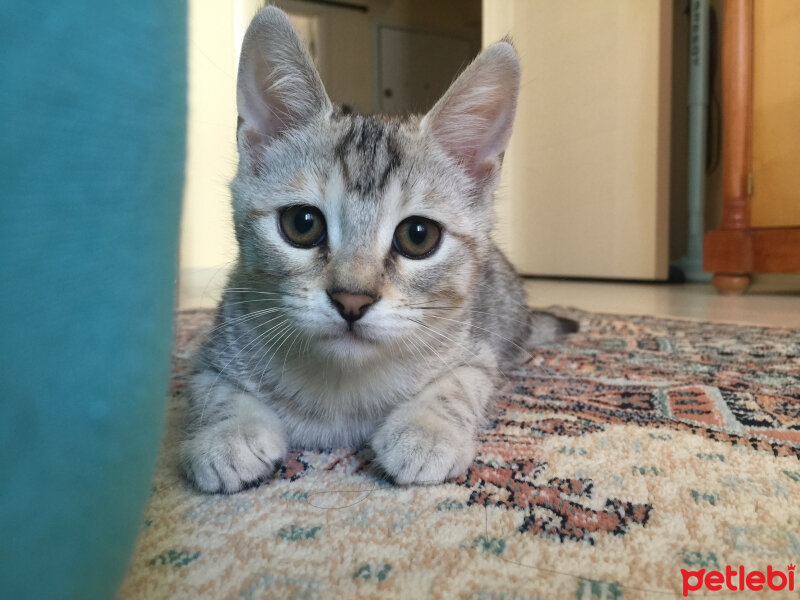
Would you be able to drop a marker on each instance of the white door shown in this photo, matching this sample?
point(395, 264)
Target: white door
point(585, 190)
point(415, 69)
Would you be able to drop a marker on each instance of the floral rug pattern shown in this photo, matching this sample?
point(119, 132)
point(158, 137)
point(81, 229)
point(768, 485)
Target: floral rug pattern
point(634, 449)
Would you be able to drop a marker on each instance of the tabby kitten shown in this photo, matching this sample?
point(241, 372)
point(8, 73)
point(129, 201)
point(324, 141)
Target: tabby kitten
point(368, 302)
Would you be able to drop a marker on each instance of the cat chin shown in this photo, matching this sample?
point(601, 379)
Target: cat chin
point(349, 346)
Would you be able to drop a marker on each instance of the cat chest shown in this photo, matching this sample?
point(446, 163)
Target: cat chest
point(339, 408)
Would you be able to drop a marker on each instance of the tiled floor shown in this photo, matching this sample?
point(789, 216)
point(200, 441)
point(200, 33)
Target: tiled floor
point(770, 301)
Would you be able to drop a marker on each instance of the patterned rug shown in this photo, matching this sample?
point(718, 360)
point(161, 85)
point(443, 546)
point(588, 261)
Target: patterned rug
point(638, 448)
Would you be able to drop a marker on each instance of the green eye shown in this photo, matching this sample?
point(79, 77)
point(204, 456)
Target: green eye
point(417, 237)
point(303, 226)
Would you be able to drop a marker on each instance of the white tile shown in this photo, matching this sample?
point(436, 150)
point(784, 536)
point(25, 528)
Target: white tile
point(770, 301)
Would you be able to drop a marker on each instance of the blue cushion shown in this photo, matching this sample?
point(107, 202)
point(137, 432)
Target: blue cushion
point(92, 144)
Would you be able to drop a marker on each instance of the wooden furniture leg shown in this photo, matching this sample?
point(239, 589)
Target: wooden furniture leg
point(727, 283)
point(727, 252)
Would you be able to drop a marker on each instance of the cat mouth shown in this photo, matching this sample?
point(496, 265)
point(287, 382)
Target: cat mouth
point(356, 335)
point(351, 335)
point(349, 344)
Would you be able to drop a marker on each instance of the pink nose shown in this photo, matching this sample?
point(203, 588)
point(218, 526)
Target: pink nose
point(351, 306)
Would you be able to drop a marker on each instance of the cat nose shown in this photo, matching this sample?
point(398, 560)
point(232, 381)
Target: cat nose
point(351, 306)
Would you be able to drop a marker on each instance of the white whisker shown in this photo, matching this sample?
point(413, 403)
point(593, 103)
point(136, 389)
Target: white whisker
point(235, 356)
point(482, 329)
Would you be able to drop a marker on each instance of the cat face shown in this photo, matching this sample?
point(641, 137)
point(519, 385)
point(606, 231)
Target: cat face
point(363, 225)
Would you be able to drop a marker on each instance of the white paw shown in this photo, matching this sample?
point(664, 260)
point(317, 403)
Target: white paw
point(231, 455)
point(422, 448)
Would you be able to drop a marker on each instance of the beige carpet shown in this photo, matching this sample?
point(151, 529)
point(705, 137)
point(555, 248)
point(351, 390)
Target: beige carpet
point(638, 448)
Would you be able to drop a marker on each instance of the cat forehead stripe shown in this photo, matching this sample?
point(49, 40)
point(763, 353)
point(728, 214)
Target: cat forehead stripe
point(369, 152)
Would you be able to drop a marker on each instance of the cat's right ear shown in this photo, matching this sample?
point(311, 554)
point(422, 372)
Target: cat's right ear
point(472, 122)
point(278, 88)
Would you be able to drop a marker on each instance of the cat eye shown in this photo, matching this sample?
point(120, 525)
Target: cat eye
point(417, 237)
point(303, 226)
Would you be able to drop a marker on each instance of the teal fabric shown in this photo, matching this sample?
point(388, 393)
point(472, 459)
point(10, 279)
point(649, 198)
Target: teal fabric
point(92, 144)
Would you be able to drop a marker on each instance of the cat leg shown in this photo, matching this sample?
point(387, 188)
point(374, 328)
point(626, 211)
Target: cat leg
point(432, 437)
point(233, 440)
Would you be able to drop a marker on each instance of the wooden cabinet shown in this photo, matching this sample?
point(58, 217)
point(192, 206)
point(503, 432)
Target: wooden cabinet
point(760, 230)
point(586, 179)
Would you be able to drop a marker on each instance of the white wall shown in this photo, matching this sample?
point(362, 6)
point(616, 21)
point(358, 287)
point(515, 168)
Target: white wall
point(207, 243)
point(585, 184)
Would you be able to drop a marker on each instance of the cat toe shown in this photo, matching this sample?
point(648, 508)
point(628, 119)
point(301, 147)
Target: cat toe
point(422, 455)
point(229, 458)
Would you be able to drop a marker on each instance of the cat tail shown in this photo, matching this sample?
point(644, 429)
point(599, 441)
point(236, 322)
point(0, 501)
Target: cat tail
point(547, 328)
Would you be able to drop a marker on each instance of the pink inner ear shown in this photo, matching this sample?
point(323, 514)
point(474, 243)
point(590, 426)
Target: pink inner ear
point(498, 134)
point(475, 129)
point(473, 120)
point(278, 87)
point(261, 106)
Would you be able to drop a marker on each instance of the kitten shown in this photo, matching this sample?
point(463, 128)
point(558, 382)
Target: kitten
point(368, 302)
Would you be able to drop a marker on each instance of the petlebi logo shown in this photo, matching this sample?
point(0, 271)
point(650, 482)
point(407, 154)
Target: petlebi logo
point(738, 580)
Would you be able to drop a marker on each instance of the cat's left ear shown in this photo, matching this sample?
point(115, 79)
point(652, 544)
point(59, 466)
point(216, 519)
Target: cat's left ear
point(278, 89)
point(472, 122)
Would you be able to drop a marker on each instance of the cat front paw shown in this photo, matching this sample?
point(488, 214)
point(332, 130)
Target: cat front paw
point(230, 455)
point(422, 448)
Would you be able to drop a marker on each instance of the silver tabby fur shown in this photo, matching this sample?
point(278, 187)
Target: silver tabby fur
point(415, 377)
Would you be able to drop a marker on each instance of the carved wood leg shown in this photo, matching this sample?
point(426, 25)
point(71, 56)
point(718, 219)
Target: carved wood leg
point(731, 283)
point(728, 251)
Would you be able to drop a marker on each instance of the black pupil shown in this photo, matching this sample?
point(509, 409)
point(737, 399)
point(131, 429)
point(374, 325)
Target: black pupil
point(303, 221)
point(417, 232)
